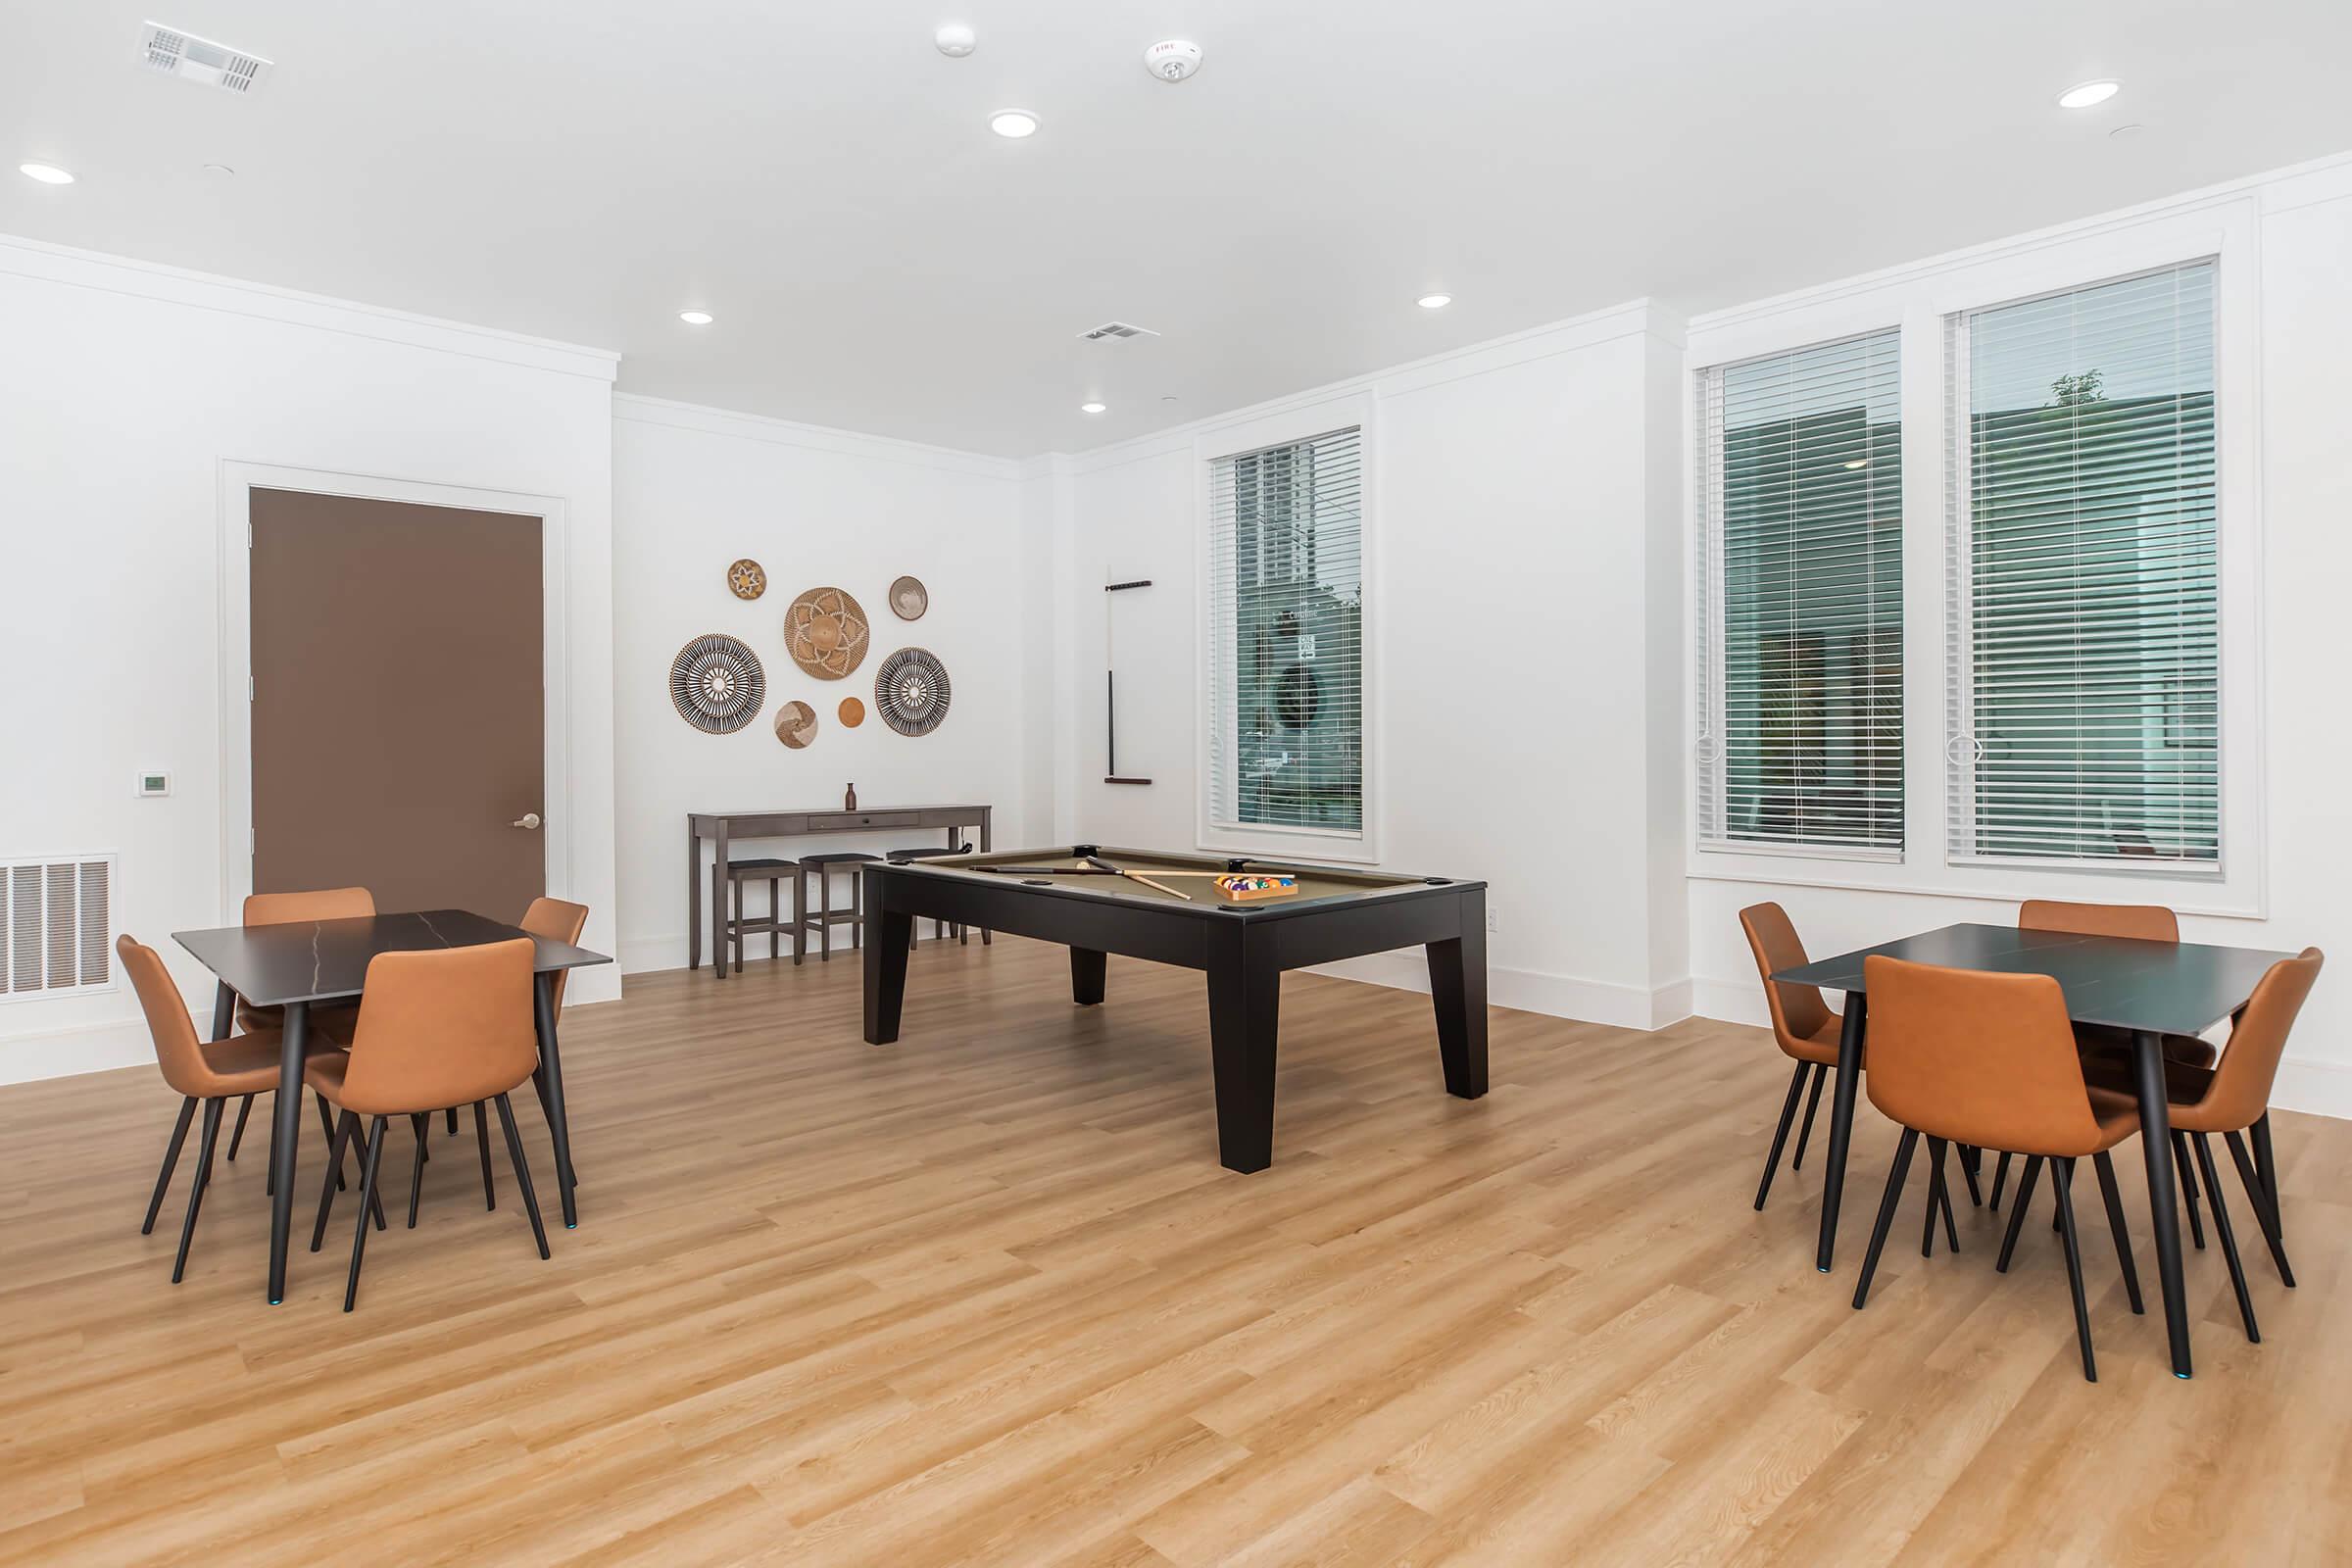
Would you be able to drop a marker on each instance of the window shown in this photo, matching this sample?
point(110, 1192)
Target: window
point(2083, 616)
point(1286, 711)
point(1800, 600)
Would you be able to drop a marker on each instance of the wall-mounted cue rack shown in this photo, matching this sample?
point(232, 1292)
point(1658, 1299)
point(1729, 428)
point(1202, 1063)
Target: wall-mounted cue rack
point(1111, 685)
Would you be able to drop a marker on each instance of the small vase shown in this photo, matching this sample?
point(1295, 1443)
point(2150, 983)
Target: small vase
point(848, 799)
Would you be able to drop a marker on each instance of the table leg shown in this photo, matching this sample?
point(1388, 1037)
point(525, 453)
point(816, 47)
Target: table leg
point(1842, 1124)
point(719, 900)
point(1457, 989)
point(694, 898)
point(886, 971)
point(2164, 1213)
point(551, 1066)
point(286, 1133)
point(225, 1015)
point(1088, 966)
point(986, 842)
point(1245, 1010)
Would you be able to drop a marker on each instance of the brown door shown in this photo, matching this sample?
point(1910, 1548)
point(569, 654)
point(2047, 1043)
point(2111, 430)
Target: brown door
point(396, 701)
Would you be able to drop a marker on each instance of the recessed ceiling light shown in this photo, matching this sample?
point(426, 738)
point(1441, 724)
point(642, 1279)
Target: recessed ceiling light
point(695, 318)
point(1013, 123)
point(1434, 302)
point(46, 174)
point(2082, 94)
point(1091, 408)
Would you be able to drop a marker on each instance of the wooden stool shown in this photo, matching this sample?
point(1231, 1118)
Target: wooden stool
point(772, 872)
point(939, 928)
point(826, 917)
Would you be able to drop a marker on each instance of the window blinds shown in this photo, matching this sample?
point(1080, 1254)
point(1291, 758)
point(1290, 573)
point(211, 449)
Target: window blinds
point(1286, 637)
point(2084, 657)
point(1800, 702)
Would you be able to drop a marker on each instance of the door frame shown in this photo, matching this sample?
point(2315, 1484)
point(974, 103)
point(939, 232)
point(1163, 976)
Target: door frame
point(238, 479)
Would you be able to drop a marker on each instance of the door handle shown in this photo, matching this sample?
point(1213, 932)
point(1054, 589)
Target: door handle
point(527, 819)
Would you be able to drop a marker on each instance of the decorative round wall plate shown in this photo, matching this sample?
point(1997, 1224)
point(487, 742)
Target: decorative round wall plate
point(825, 633)
point(716, 684)
point(908, 599)
point(748, 578)
point(852, 712)
point(796, 724)
point(911, 691)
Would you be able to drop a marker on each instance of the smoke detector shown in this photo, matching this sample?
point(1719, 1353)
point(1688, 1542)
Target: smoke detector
point(954, 41)
point(201, 60)
point(1111, 330)
point(1172, 59)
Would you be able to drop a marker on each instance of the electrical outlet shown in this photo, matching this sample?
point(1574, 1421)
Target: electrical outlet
point(1491, 927)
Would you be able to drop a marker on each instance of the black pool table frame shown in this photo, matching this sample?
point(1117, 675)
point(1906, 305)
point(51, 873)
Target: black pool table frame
point(1243, 948)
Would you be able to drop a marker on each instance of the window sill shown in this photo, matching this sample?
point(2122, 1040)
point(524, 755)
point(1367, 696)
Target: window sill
point(1984, 884)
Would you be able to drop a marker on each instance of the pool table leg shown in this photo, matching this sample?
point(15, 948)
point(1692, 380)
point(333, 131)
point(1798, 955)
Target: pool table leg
point(1245, 1007)
point(1087, 966)
point(886, 968)
point(1457, 988)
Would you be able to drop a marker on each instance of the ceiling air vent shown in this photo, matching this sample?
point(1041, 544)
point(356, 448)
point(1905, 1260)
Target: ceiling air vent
point(216, 65)
point(1117, 329)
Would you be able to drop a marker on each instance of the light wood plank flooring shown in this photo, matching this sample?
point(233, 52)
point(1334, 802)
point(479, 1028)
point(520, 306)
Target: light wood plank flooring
point(986, 1297)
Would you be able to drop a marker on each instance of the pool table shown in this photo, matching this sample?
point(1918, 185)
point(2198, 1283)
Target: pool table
point(1080, 897)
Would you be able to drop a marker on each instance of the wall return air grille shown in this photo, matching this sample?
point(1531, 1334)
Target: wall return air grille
point(56, 926)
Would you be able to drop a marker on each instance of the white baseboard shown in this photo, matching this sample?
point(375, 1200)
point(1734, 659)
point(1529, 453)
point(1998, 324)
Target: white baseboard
point(98, 1046)
point(1556, 996)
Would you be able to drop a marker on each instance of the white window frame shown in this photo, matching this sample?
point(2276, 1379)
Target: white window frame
point(1280, 427)
point(2225, 229)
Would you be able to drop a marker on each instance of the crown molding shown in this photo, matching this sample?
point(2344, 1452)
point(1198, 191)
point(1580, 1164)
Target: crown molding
point(63, 265)
point(638, 409)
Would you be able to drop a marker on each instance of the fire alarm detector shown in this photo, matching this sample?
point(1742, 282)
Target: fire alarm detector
point(1172, 59)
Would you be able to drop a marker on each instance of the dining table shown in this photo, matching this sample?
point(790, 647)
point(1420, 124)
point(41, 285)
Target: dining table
point(2147, 989)
point(305, 962)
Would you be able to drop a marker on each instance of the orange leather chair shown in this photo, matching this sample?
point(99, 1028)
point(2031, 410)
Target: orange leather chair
point(205, 1073)
point(326, 1027)
point(1965, 1056)
point(1801, 1022)
point(437, 1029)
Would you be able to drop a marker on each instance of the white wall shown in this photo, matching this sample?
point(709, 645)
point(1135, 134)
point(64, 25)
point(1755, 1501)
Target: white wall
point(2303, 246)
point(694, 489)
point(1522, 626)
point(122, 390)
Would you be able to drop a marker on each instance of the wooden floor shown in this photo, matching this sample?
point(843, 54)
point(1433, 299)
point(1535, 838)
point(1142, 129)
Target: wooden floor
point(986, 1297)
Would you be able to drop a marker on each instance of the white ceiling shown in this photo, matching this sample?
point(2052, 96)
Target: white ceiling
point(820, 178)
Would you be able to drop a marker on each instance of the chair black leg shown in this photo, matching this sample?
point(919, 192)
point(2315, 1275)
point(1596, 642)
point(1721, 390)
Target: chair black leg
point(327, 1126)
point(1927, 1236)
point(1970, 1159)
point(2017, 1211)
point(1888, 1204)
point(453, 1110)
point(481, 1137)
point(523, 1173)
point(326, 1186)
point(237, 1134)
point(1944, 1197)
point(1780, 1135)
point(2062, 1178)
point(1821, 1075)
point(2188, 1188)
point(2000, 1179)
point(2228, 1238)
point(162, 1177)
point(2104, 1164)
point(378, 1134)
point(2266, 1213)
point(423, 1124)
point(204, 1179)
point(2266, 1161)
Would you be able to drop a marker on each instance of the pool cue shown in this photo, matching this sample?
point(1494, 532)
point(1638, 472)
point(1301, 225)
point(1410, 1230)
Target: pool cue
point(1162, 886)
point(1084, 871)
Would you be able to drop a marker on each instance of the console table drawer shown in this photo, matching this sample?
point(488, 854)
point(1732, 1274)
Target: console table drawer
point(847, 821)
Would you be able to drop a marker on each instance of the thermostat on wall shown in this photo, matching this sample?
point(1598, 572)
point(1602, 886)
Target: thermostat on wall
point(155, 781)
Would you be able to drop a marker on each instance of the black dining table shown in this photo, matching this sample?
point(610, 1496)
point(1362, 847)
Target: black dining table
point(2150, 989)
point(307, 962)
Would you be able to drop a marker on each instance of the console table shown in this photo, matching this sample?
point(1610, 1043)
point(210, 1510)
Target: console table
point(721, 826)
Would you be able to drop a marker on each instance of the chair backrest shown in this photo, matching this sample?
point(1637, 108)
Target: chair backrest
point(1979, 1058)
point(557, 921)
point(1797, 1011)
point(319, 904)
point(2146, 922)
point(442, 1026)
point(2240, 1091)
point(176, 1050)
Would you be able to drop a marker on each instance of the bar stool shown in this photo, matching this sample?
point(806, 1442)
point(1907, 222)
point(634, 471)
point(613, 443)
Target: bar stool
point(826, 917)
point(772, 872)
point(939, 928)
